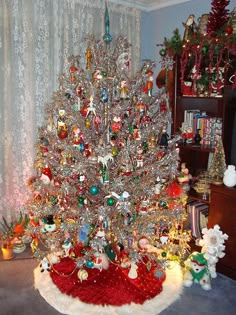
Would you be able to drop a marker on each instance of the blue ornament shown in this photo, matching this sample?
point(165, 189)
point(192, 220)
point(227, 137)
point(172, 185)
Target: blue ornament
point(104, 95)
point(84, 232)
point(107, 37)
point(81, 147)
point(93, 190)
point(89, 264)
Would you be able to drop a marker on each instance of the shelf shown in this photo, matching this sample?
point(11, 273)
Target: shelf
point(201, 97)
point(196, 147)
point(192, 194)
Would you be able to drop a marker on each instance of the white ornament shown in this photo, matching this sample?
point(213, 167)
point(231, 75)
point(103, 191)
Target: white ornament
point(82, 275)
point(133, 271)
point(230, 176)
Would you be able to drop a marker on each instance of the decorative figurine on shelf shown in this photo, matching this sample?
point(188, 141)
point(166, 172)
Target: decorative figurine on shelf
point(184, 176)
point(190, 27)
point(189, 135)
point(229, 178)
point(197, 138)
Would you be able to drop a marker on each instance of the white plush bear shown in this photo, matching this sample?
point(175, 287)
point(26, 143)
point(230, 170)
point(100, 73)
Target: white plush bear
point(197, 271)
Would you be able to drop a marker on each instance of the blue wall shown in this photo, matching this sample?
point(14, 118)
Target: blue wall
point(161, 23)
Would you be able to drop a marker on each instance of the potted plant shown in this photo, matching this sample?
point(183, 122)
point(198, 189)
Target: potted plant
point(11, 234)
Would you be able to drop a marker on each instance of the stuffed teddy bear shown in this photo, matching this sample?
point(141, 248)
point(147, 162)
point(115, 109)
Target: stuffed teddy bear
point(197, 271)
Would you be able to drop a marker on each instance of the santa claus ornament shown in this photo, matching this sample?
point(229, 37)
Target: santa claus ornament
point(46, 176)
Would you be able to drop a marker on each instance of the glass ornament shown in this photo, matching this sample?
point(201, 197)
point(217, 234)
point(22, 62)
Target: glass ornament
point(80, 201)
point(87, 123)
point(89, 264)
point(114, 151)
point(110, 201)
point(93, 190)
point(174, 39)
point(81, 147)
point(204, 49)
point(162, 52)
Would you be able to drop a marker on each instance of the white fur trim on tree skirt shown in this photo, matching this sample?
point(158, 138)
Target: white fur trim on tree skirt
point(65, 304)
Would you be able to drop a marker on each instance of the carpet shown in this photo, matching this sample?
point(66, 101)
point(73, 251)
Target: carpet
point(65, 304)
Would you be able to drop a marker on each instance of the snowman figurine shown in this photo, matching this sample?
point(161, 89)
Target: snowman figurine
point(230, 176)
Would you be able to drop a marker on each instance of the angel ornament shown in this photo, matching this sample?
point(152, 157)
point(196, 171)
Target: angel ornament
point(91, 108)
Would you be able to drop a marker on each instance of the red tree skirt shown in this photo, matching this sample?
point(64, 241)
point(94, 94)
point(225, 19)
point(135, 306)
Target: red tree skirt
point(108, 287)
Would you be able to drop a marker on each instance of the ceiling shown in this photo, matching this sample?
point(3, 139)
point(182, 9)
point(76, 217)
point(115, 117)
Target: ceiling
point(149, 5)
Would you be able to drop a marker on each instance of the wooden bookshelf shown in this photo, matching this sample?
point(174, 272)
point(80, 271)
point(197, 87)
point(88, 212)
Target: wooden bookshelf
point(222, 211)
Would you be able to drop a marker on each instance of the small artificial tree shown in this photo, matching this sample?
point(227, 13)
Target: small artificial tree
point(218, 164)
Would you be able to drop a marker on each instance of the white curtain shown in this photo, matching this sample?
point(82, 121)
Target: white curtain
point(36, 38)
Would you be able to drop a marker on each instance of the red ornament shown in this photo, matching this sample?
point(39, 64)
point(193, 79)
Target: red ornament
point(73, 69)
point(174, 190)
point(84, 111)
point(62, 134)
point(228, 30)
point(47, 171)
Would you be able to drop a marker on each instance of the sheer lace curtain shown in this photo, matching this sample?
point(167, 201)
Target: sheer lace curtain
point(36, 38)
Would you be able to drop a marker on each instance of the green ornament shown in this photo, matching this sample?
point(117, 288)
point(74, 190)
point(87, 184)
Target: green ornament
point(145, 146)
point(67, 95)
point(53, 200)
point(174, 39)
point(80, 201)
point(204, 49)
point(131, 129)
point(162, 203)
point(110, 201)
point(163, 254)
point(103, 73)
point(162, 52)
point(93, 190)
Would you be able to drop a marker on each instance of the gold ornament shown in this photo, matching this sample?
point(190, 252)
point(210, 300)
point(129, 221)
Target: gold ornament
point(87, 123)
point(88, 58)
